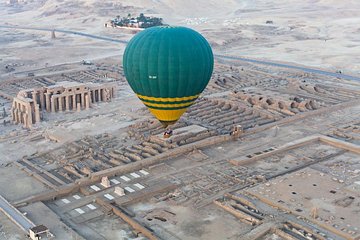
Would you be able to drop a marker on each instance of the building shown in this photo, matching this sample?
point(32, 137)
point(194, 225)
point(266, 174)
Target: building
point(40, 232)
point(63, 96)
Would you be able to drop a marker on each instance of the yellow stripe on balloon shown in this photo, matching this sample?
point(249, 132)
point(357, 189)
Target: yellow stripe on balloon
point(160, 99)
point(171, 105)
point(167, 115)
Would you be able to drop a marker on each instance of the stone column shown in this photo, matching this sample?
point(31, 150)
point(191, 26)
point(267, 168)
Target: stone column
point(42, 99)
point(60, 103)
point(34, 97)
point(15, 115)
point(96, 97)
point(47, 100)
point(92, 92)
point(13, 108)
point(17, 119)
point(67, 104)
point(20, 119)
point(78, 107)
point(37, 113)
point(24, 120)
point(87, 101)
point(82, 100)
point(74, 102)
point(53, 104)
point(29, 116)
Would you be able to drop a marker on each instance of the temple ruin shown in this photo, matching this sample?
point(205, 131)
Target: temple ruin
point(261, 155)
point(63, 96)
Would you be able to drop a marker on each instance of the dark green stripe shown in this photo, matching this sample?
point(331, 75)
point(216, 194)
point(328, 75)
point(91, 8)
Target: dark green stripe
point(172, 102)
point(167, 108)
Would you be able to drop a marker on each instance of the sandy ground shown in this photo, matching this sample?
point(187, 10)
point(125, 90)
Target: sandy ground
point(8, 229)
point(189, 223)
point(39, 213)
point(318, 33)
point(24, 185)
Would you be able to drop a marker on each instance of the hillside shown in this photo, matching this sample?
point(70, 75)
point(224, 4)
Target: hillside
point(319, 33)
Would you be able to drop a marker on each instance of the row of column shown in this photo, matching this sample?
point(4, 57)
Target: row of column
point(25, 113)
point(97, 95)
point(41, 96)
point(55, 102)
point(21, 117)
point(67, 103)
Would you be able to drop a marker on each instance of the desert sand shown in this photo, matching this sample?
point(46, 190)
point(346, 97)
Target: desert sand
point(322, 34)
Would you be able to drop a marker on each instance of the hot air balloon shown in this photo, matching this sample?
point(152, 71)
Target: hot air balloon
point(168, 68)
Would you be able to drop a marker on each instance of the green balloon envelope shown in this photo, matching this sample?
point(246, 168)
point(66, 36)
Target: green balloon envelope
point(168, 67)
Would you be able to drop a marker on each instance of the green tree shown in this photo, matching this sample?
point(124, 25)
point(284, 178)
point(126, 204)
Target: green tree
point(141, 18)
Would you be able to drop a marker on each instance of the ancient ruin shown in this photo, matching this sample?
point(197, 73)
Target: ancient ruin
point(270, 150)
point(64, 96)
point(233, 155)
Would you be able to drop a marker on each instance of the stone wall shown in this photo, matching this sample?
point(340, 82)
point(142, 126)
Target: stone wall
point(63, 96)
